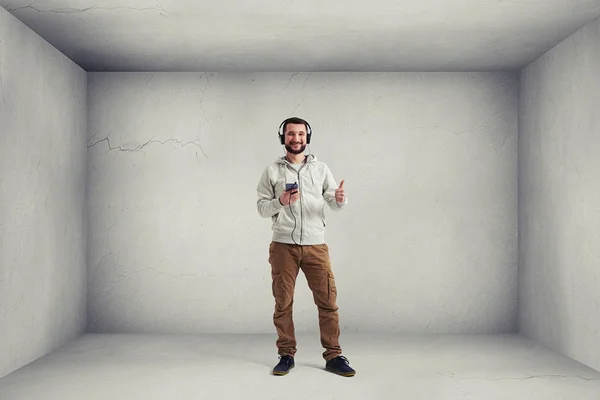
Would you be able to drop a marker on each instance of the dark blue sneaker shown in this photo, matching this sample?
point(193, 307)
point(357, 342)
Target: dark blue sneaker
point(340, 366)
point(285, 364)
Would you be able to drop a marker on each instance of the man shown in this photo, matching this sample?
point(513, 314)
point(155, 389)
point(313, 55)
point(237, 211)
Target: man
point(292, 191)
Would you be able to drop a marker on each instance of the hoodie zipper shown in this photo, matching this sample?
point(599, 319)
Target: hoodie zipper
point(301, 218)
point(299, 189)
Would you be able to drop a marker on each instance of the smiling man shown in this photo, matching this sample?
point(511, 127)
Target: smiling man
point(293, 191)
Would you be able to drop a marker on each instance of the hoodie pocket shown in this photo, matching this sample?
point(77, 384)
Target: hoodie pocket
point(277, 218)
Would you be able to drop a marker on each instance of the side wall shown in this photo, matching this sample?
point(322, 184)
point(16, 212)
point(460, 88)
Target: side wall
point(42, 194)
point(559, 197)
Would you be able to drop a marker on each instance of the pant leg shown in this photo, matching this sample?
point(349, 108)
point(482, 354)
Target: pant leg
point(316, 266)
point(285, 260)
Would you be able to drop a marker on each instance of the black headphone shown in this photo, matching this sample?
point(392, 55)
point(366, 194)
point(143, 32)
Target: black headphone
point(282, 137)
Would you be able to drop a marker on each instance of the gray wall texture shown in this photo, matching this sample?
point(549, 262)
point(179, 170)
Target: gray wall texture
point(428, 242)
point(42, 195)
point(559, 197)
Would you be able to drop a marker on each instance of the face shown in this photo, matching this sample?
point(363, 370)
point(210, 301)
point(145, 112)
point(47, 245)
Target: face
point(295, 138)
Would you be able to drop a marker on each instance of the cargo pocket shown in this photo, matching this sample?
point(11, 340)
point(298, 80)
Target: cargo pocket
point(276, 287)
point(331, 289)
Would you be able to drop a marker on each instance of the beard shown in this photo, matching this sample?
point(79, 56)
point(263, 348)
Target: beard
point(299, 150)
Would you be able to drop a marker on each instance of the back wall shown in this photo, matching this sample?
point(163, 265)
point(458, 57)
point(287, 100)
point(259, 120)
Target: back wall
point(428, 241)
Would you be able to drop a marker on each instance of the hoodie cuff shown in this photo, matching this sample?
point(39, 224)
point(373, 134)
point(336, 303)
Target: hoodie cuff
point(343, 203)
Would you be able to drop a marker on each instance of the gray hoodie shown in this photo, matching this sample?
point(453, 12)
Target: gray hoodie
point(302, 222)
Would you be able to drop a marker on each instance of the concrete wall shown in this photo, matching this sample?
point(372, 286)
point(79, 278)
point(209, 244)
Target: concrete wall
point(427, 244)
point(42, 194)
point(559, 197)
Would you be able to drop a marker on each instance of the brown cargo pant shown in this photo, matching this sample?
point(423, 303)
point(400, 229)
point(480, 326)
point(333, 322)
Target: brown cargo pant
point(286, 260)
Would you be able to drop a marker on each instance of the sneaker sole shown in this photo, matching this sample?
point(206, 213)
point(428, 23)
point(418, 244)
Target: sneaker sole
point(280, 373)
point(347, 374)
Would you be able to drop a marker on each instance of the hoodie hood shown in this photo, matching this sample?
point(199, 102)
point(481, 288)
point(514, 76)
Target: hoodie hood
point(310, 160)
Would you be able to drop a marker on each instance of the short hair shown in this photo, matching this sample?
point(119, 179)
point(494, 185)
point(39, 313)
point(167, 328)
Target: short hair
point(294, 120)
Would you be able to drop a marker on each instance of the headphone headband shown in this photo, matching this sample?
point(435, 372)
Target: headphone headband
point(282, 137)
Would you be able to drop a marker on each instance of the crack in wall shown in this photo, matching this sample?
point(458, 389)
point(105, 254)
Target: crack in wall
point(141, 146)
point(301, 89)
point(519, 378)
point(199, 146)
point(290, 80)
point(93, 136)
point(304, 83)
point(148, 81)
point(497, 114)
point(109, 253)
point(300, 103)
point(82, 10)
point(205, 76)
point(478, 127)
point(436, 126)
point(504, 141)
point(110, 250)
point(125, 275)
point(196, 142)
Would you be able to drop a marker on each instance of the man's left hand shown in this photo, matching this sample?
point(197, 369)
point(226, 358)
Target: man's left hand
point(339, 193)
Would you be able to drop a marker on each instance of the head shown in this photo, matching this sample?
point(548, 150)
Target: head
point(295, 135)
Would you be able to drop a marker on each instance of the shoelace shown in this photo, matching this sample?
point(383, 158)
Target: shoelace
point(287, 360)
point(343, 359)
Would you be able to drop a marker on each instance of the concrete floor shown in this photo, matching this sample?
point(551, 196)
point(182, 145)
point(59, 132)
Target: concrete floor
point(118, 366)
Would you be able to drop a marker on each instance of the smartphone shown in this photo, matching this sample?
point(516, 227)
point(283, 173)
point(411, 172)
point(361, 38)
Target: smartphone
point(290, 186)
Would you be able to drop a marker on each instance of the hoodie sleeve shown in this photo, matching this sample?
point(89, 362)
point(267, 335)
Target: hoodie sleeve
point(329, 187)
point(267, 204)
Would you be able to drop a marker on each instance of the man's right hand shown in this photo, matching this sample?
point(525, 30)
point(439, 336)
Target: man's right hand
point(289, 197)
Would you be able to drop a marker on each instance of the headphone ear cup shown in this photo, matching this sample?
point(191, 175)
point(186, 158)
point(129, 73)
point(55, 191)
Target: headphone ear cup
point(281, 137)
point(308, 138)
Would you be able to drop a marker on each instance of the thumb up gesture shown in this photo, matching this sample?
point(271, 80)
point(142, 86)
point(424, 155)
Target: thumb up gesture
point(339, 193)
